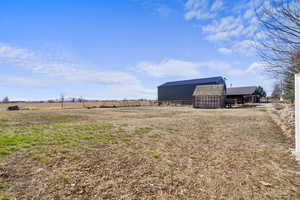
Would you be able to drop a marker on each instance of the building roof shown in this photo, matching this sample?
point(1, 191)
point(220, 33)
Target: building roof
point(241, 90)
point(201, 81)
point(207, 90)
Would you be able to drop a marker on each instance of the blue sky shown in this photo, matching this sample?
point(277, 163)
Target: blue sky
point(124, 49)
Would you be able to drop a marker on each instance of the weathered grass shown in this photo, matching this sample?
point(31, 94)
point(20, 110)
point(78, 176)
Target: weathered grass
point(147, 153)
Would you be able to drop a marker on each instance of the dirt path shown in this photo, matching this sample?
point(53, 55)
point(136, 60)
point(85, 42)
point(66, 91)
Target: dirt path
point(175, 153)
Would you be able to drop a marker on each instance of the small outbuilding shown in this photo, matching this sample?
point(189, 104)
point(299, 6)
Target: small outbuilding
point(209, 96)
point(243, 94)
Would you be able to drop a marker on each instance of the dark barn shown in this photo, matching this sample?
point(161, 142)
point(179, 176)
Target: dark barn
point(182, 91)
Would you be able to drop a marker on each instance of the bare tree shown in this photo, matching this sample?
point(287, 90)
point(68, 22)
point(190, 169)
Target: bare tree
point(280, 45)
point(280, 23)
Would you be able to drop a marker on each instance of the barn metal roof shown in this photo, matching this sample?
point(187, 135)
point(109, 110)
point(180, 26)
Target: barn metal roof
point(201, 81)
point(207, 90)
point(241, 90)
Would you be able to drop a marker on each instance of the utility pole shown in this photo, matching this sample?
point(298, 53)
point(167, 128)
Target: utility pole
point(297, 116)
point(281, 90)
point(62, 99)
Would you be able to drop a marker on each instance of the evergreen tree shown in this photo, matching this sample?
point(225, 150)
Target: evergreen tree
point(5, 100)
point(260, 92)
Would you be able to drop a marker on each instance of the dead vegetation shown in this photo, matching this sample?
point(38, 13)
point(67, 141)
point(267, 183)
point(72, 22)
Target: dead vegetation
point(146, 153)
point(283, 115)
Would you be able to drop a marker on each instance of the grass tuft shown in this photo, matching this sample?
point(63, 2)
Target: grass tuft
point(153, 154)
point(64, 179)
point(3, 185)
point(143, 130)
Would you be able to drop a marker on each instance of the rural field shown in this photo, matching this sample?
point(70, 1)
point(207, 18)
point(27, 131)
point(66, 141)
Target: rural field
point(145, 153)
point(78, 105)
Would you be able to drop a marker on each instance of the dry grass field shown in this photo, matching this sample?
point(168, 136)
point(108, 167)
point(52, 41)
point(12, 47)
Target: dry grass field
point(145, 153)
point(77, 105)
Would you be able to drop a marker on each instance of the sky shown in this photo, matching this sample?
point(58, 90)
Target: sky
point(124, 49)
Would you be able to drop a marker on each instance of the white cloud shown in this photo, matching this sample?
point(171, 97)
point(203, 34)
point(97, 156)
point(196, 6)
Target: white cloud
point(224, 24)
point(63, 70)
point(225, 51)
point(202, 9)
point(187, 69)
point(261, 35)
point(249, 14)
point(245, 47)
point(217, 5)
point(242, 47)
point(223, 68)
point(58, 67)
point(225, 35)
point(224, 29)
point(256, 67)
point(169, 68)
point(17, 81)
point(239, 23)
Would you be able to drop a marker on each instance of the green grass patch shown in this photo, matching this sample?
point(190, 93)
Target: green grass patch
point(62, 134)
point(11, 142)
point(50, 135)
point(5, 197)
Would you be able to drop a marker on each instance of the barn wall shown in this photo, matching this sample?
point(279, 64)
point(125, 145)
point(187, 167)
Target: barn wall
point(178, 93)
point(211, 101)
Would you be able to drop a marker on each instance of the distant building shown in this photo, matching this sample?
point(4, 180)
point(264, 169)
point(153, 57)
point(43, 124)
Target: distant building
point(243, 94)
point(209, 96)
point(182, 91)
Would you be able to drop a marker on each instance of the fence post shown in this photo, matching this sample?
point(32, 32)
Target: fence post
point(297, 116)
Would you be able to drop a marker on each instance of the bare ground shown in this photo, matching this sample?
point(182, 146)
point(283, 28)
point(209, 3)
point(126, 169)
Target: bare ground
point(170, 153)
